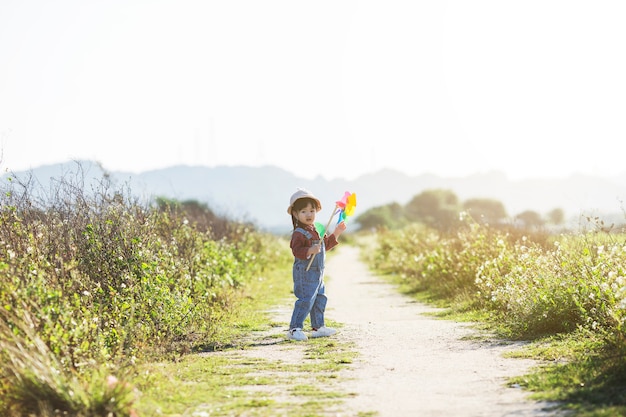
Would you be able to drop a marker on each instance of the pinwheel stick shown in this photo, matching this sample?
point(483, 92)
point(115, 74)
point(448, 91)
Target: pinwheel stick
point(322, 237)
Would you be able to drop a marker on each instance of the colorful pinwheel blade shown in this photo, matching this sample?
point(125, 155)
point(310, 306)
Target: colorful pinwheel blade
point(344, 200)
point(320, 229)
point(351, 201)
point(350, 205)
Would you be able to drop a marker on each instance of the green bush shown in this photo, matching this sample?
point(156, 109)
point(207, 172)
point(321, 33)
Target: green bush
point(531, 287)
point(445, 264)
point(98, 280)
point(579, 283)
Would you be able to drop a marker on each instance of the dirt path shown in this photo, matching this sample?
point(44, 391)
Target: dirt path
point(409, 364)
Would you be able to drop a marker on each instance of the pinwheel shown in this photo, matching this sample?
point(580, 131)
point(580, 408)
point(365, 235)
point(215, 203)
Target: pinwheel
point(345, 207)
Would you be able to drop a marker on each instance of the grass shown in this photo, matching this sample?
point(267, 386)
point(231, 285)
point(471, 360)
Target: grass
point(579, 371)
point(233, 382)
point(236, 380)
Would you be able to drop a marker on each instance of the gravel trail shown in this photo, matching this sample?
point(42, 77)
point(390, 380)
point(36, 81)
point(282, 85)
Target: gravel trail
point(411, 364)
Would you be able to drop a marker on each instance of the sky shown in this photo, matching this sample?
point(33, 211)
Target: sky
point(336, 89)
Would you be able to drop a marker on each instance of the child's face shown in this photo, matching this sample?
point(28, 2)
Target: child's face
point(306, 215)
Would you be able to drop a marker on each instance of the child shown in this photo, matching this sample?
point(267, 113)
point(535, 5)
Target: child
point(308, 286)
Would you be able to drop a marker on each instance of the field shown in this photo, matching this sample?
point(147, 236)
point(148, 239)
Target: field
point(96, 287)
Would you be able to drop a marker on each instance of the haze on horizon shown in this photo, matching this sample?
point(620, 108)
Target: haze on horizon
point(331, 88)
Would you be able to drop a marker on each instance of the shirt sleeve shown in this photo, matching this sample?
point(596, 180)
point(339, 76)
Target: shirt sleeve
point(330, 241)
point(299, 246)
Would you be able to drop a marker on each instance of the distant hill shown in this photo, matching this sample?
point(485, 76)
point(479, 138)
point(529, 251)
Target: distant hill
point(261, 194)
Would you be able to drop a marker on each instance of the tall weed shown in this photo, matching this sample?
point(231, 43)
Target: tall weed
point(94, 277)
point(577, 284)
point(443, 264)
point(530, 286)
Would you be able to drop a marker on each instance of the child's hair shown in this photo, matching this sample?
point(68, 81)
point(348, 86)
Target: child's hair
point(298, 205)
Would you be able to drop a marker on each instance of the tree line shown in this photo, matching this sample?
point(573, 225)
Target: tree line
point(441, 209)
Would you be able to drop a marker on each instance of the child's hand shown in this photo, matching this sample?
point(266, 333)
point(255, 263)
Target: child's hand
point(339, 229)
point(314, 249)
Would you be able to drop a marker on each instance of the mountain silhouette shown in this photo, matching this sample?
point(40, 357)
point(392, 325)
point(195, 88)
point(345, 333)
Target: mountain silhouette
point(261, 194)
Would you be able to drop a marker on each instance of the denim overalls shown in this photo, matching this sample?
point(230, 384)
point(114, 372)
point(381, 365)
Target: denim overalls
point(308, 287)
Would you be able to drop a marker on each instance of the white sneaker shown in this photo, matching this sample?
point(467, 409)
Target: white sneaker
point(296, 334)
point(323, 332)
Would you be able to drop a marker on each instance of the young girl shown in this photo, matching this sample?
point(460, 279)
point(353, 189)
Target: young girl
point(308, 286)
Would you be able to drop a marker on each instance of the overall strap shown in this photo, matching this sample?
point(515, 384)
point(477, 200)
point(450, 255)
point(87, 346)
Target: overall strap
point(304, 232)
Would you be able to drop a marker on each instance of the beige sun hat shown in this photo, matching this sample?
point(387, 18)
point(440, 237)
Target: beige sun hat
point(302, 193)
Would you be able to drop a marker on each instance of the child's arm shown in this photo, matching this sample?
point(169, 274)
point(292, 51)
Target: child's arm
point(331, 241)
point(341, 227)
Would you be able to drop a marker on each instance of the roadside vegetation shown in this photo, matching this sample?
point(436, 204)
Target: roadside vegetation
point(563, 291)
point(94, 285)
